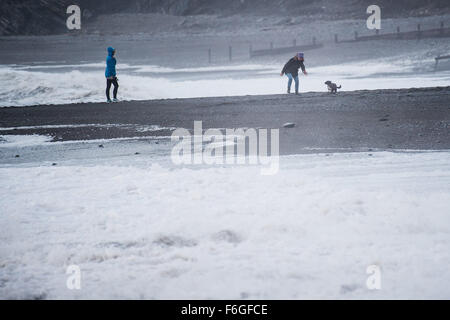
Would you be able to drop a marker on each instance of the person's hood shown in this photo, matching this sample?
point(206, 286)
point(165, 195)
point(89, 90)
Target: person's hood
point(111, 51)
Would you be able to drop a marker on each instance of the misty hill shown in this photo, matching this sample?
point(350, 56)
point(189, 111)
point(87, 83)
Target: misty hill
point(48, 16)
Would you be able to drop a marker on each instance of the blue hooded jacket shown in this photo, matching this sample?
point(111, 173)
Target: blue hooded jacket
point(110, 64)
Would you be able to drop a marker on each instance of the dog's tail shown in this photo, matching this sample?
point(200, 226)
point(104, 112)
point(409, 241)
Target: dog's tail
point(339, 87)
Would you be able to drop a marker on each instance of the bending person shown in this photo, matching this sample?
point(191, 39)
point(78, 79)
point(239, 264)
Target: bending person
point(291, 70)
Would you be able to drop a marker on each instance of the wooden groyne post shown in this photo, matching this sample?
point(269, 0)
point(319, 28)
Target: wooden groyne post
point(437, 59)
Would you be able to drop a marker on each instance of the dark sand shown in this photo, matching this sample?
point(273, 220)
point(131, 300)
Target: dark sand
point(417, 119)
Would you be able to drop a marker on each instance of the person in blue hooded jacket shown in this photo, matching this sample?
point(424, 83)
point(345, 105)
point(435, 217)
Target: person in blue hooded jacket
point(110, 74)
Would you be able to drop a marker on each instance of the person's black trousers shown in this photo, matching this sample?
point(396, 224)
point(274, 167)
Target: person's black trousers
point(108, 87)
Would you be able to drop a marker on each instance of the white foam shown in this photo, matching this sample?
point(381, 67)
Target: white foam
point(137, 127)
point(18, 141)
point(60, 66)
point(155, 233)
point(22, 87)
point(246, 67)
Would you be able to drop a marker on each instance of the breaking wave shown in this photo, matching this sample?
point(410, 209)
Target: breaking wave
point(68, 84)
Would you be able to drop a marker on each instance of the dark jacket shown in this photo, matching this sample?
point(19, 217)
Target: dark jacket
point(292, 67)
point(110, 64)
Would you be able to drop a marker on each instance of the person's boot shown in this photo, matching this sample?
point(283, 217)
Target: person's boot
point(288, 90)
point(115, 100)
point(108, 101)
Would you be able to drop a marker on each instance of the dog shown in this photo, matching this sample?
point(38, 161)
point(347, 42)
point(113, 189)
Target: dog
point(332, 87)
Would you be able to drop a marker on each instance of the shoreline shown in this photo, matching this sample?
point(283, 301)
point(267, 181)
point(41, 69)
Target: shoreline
point(302, 94)
point(416, 119)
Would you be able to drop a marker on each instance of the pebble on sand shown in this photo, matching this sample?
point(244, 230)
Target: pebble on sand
point(289, 125)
